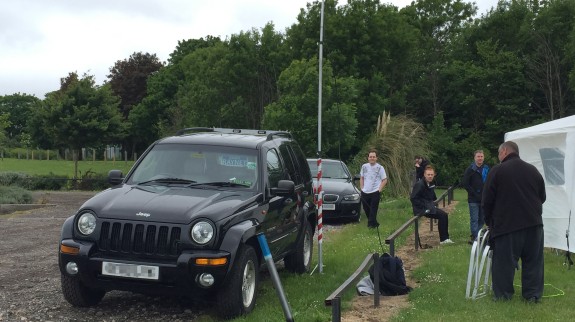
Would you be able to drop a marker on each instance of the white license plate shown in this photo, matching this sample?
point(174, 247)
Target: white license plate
point(329, 206)
point(130, 270)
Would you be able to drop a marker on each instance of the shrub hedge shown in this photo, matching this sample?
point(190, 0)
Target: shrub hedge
point(14, 195)
point(51, 181)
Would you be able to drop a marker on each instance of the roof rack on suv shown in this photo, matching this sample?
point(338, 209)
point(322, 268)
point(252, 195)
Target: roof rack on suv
point(270, 134)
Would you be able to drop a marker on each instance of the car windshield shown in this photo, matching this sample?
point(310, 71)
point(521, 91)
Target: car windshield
point(330, 169)
point(197, 166)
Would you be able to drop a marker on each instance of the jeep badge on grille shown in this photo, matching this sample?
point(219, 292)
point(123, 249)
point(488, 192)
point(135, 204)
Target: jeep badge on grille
point(143, 214)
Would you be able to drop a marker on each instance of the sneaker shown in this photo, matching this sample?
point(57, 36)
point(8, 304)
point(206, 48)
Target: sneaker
point(447, 241)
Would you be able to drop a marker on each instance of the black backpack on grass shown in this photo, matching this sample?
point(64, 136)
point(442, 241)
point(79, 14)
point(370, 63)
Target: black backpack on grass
point(391, 275)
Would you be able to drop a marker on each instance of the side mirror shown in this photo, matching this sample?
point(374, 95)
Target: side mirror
point(356, 177)
point(285, 188)
point(115, 177)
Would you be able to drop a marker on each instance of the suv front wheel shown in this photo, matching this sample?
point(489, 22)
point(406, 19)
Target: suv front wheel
point(77, 294)
point(238, 296)
point(300, 260)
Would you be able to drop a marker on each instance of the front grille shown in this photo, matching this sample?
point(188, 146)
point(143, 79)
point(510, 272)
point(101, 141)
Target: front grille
point(330, 198)
point(149, 239)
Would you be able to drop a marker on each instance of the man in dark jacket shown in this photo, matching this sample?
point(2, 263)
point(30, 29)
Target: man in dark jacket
point(513, 198)
point(473, 179)
point(420, 164)
point(422, 199)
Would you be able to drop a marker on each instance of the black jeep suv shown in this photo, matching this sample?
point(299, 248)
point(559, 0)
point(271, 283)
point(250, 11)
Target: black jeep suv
point(185, 220)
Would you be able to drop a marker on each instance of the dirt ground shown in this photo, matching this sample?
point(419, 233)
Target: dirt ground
point(363, 309)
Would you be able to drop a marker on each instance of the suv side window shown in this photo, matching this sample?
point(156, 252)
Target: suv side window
point(287, 154)
point(275, 169)
point(302, 163)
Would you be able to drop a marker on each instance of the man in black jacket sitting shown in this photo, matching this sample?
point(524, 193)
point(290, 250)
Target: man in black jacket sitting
point(422, 199)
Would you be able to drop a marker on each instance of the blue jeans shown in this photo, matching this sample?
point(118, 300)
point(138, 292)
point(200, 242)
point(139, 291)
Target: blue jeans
point(476, 219)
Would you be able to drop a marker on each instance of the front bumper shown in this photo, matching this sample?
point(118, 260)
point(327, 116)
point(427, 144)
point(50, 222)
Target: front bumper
point(176, 276)
point(343, 210)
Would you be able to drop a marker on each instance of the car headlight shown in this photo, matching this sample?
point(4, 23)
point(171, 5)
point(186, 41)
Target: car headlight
point(352, 197)
point(202, 232)
point(87, 223)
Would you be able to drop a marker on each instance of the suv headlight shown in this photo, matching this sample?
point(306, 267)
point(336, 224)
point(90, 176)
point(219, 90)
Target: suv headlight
point(202, 232)
point(352, 197)
point(86, 223)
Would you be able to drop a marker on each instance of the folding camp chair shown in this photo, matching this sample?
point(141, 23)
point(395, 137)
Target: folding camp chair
point(479, 267)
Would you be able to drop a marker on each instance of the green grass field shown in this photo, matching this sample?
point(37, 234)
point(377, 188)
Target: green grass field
point(66, 168)
point(442, 277)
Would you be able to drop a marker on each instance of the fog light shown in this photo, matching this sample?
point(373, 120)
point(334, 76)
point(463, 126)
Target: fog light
point(206, 279)
point(72, 268)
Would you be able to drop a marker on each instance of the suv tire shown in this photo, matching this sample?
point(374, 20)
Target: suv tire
point(78, 294)
point(238, 296)
point(300, 260)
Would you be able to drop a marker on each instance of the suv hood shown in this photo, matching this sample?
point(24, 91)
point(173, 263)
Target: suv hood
point(178, 205)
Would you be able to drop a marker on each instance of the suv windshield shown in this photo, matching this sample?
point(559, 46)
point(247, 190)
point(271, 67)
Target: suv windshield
point(196, 165)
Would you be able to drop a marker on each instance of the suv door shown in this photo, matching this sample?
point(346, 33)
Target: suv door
point(278, 225)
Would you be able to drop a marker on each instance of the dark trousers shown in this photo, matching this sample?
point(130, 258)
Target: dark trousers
point(527, 245)
point(370, 202)
point(442, 223)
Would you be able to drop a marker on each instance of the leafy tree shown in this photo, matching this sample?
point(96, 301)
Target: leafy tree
point(128, 80)
point(19, 107)
point(4, 123)
point(446, 155)
point(80, 114)
point(549, 62)
point(188, 46)
point(439, 22)
point(297, 110)
point(159, 114)
point(368, 41)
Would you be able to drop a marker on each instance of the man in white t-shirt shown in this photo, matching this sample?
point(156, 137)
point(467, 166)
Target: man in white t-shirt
point(373, 180)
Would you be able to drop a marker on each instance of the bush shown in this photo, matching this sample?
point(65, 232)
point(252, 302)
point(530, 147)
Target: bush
point(15, 179)
point(92, 181)
point(14, 195)
point(49, 181)
point(89, 181)
point(43, 182)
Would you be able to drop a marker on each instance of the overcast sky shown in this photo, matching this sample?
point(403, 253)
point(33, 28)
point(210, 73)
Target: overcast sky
point(42, 41)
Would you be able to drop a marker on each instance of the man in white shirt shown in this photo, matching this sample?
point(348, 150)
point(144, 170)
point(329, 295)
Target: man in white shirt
point(373, 180)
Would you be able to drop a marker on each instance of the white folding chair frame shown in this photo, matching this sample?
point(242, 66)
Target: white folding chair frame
point(479, 266)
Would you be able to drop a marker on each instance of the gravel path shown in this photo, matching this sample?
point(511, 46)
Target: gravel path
point(30, 278)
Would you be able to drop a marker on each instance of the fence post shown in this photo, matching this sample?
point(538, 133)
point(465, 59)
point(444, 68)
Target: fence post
point(376, 280)
point(336, 309)
point(416, 228)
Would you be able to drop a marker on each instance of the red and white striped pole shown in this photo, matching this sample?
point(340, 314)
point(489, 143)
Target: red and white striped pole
point(319, 215)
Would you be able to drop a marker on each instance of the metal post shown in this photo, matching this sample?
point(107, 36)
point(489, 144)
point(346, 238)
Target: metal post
point(376, 278)
point(336, 309)
point(275, 277)
point(416, 228)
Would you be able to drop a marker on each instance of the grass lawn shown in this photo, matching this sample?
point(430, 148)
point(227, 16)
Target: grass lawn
point(442, 277)
point(59, 167)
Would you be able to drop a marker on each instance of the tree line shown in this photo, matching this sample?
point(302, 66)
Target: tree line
point(466, 79)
